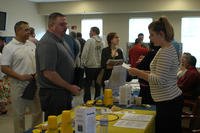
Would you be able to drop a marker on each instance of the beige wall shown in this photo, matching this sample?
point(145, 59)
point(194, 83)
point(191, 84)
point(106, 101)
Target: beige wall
point(116, 13)
point(118, 6)
point(22, 10)
point(119, 22)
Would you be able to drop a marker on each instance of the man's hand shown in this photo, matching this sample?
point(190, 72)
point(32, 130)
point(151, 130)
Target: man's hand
point(75, 90)
point(23, 77)
point(56, 79)
point(26, 77)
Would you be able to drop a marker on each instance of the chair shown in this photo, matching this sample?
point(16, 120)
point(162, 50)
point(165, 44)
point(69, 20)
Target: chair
point(193, 117)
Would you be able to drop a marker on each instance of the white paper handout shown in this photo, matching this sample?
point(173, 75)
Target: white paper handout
point(130, 120)
point(127, 66)
point(137, 117)
point(131, 124)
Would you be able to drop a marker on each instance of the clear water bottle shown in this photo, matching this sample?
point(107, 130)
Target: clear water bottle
point(104, 124)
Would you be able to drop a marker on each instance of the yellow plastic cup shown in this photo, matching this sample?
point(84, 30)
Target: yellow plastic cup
point(66, 116)
point(52, 122)
point(66, 125)
point(107, 93)
point(108, 99)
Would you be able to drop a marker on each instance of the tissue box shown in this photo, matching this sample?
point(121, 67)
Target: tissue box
point(125, 96)
point(85, 120)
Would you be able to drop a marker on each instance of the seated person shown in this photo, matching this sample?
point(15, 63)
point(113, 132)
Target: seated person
point(189, 82)
point(182, 68)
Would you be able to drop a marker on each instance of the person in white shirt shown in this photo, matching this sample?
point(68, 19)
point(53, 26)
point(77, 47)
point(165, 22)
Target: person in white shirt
point(18, 62)
point(91, 60)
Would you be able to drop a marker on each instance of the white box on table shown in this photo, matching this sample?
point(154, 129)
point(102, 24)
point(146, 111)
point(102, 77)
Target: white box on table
point(85, 120)
point(125, 97)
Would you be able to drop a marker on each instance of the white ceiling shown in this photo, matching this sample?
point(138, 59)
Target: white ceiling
point(39, 1)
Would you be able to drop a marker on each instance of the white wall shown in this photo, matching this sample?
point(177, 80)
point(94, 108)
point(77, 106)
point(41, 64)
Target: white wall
point(120, 22)
point(22, 10)
point(116, 13)
point(118, 6)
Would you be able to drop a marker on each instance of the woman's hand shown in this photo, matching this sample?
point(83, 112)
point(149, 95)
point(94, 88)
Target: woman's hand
point(131, 71)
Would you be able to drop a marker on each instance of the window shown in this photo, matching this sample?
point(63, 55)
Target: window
point(139, 25)
point(86, 24)
point(190, 31)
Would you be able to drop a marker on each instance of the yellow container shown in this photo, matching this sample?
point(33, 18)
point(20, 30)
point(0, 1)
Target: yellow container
point(108, 102)
point(108, 98)
point(36, 131)
point(52, 124)
point(107, 93)
point(66, 124)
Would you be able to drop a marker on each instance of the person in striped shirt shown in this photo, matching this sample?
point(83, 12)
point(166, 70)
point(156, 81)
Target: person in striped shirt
point(162, 78)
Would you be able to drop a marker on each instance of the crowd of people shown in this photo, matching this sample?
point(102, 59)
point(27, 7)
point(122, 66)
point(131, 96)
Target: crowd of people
point(58, 63)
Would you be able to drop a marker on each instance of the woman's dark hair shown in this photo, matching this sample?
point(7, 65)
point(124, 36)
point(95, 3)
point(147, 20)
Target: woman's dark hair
point(162, 24)
point(110, 36)
point(192, 61)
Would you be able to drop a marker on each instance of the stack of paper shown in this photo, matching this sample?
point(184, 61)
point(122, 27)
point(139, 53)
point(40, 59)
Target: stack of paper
point(137, 117)
point(131, 124)
point(130, 120)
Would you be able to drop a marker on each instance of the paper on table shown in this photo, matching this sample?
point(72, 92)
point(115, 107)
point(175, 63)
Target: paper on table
point(122, 112)
point(137, 117)
point(127, 66)
point(130, 120)
point(131, 124)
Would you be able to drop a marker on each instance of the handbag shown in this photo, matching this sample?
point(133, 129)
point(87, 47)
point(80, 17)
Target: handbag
point(30, 90)
point(100, 77)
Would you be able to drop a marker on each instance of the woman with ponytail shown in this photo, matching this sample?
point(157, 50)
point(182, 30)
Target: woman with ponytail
point(162, 78)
